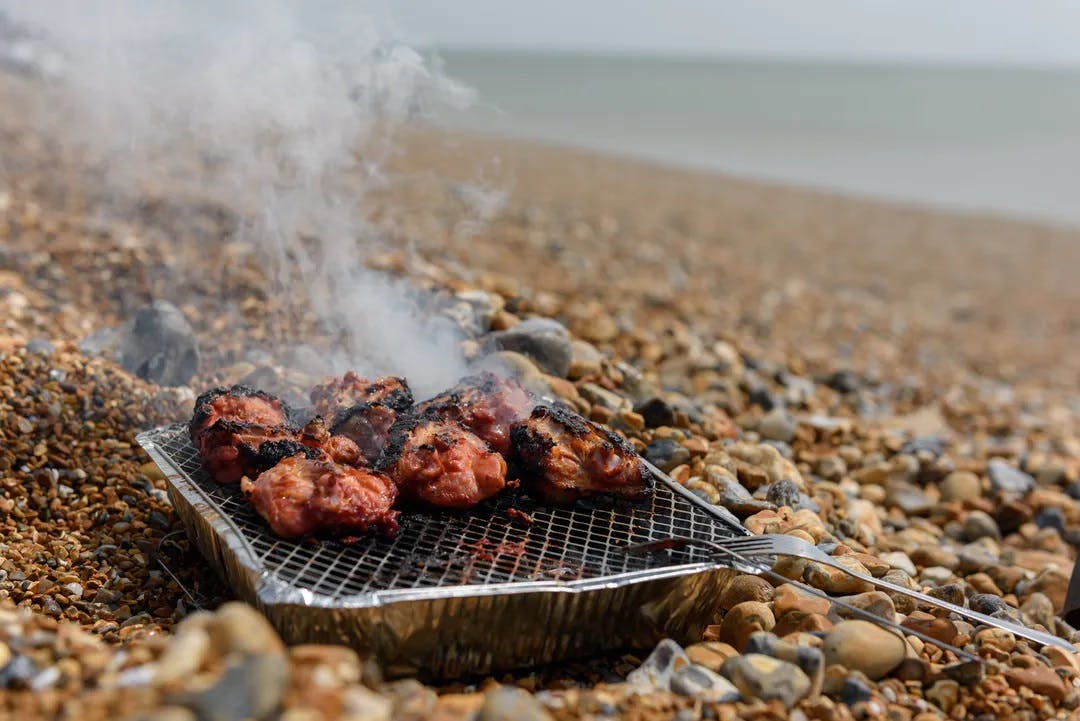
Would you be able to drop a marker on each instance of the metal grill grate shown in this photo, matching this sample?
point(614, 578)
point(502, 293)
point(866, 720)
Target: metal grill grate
point(481, 547)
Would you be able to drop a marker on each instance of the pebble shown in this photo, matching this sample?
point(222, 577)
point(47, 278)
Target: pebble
point(1004, 478)
point(656, 671)
point(744, 619)
point(777, 425)
point(710, 654)
point(250, 687)
point(978, 524)
point(961, 486)
point(745, 587)
point(833, 580)
point(1040, 679)
point(865, 647)
point(508, 703)
point(945, 694)
point(159, 345)
point(666, 454)
point(763, 677)
point(656, 412)
point(702, 684)
point(854, 691)
point(784, 493)
point(899, 560)
point(872, 602)
point(543, 340)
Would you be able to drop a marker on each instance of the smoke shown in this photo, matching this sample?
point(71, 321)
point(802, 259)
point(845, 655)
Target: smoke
point(284, 111)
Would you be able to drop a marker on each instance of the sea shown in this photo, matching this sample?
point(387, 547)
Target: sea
point(999, 140)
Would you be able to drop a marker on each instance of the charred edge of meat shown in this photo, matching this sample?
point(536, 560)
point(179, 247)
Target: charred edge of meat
point(484, 383)
point(204, 401)
point(270, 453)
point(343, 417)
point(400, 399)
point(397, 440)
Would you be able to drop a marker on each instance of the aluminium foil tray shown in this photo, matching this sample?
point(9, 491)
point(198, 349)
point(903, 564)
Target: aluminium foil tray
point(467, 592)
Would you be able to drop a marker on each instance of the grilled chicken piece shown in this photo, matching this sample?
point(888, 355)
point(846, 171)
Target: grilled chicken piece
point(339, 448)
point(442, 464)
point(239, 404)
point(367, 426)
point(564, 457)
point(485, 404)
point(340, 394)
point(231, 450)
point(303, 496)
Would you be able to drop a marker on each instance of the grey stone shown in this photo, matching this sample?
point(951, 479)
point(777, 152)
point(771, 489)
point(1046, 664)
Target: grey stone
point(159, 345)
point(975, 557)
point(546, 341)
point(987, 603)
point(1007, 479)
point(909, 498)
point(854, 691)
point(978, 525)
point(250, 687)
point(656, 411)
point(665, 454)
point(758, 676)
point(700, 683)
point(1051, 517)
point(509, 703)
point(777, 425)
point(656, 671)
point(784, 493)
point(42, 346)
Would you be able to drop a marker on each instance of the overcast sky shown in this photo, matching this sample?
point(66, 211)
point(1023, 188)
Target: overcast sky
point(979, 31)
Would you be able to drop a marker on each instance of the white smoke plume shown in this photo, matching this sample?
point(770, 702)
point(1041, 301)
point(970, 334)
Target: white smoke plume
point(282, 109)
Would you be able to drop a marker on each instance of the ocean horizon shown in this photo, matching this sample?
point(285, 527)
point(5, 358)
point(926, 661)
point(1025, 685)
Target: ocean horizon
point(997, 140)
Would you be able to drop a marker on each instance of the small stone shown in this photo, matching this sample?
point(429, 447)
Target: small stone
point(744, 619)
point(656, 671)
point(410, 698)
point(710, 654)
point(237, 627)
point(5, 654)
point(987, 603)
point(872, 602)
point(978, 524)
point(509, 703)
point(944, 694)
point(960, 486)
point(657, 412)
point(950, 593)
point(363, 704)
point(17, 672)
point(854, 691)
point(909, 498)
point(159, 345)
point(666, 454)
point(1040, 679)
point(1051, 517)
point(183, 656)
point(1004, 478)
point(900, 560)
point(745, 587)
point(843, 381)
point(808, 658)
point(543, 340)
point(788, 598)
point(777, 425)
point(975, 557)
point(766, 678)
point(1039, 609)
point(250, 687)
point(509, 363)
point(833, 580)
point(783, 493)
point(41, 346)
point(941, 629)
point(865, 647)
point(702, 684)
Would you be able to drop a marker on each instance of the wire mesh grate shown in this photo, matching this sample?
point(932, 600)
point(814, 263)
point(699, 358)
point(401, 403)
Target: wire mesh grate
point(486, 545)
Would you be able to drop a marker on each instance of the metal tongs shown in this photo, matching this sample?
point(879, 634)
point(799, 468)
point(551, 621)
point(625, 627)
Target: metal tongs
point(746, 554)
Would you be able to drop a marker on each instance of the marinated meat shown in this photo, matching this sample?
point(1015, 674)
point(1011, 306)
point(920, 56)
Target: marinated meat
point(341, 394)
point(238, 404)
point(485, 404)
point(303, 496)
point(231, 450)
point(340, 449)
point(564, 457)
point(440, 463)
point(367, 426)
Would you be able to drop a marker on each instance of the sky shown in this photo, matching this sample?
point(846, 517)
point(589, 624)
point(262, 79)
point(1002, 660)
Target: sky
point(1011, 32)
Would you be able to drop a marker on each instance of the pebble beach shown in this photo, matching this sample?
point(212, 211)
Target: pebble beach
point(897, 386)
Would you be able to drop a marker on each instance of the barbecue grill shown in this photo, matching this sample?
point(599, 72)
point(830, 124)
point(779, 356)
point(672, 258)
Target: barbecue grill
point(469, 592)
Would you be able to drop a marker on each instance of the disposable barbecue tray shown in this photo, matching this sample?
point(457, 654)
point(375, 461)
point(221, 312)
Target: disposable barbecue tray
point(463, 593)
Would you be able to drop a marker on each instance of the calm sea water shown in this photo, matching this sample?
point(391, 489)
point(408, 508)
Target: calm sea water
point(981, 139)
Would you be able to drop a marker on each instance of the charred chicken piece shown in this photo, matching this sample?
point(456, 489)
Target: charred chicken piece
point(304, 496)
point(231, 450)
point(485, 404)
point(339, 448)
point(238, 404)
point(564, 457)
point(367, 426)
point(339, 394)
point(440, 463)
